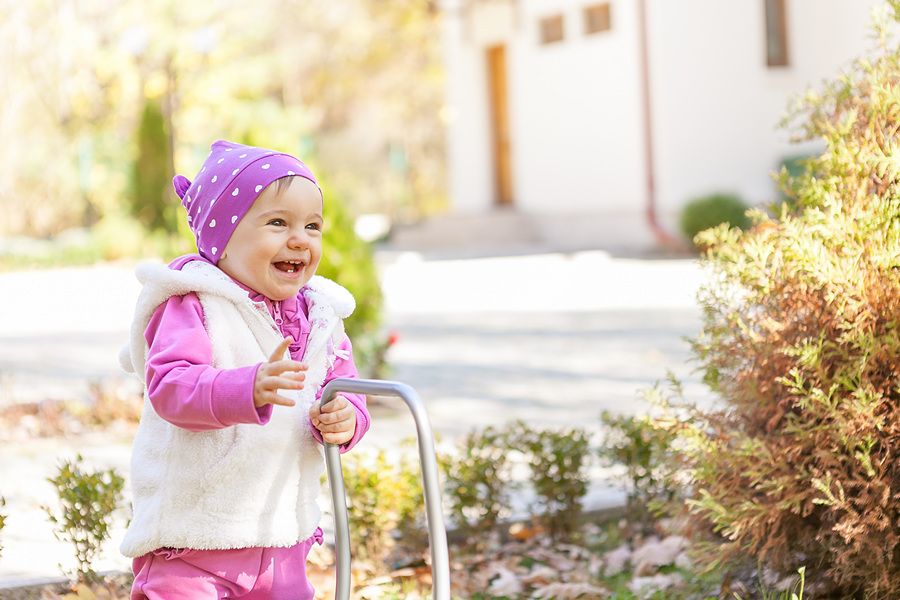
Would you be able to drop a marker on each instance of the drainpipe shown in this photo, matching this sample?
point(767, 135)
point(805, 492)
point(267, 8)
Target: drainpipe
point(662, 237)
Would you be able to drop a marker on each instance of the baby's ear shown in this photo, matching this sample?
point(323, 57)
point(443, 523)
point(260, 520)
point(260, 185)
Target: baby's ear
point(181, 184)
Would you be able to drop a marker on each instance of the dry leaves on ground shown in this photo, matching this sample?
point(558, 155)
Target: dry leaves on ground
point(532, 567)
point(540, 569)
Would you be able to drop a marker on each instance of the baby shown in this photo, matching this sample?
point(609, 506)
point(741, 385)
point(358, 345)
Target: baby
point(234, 345)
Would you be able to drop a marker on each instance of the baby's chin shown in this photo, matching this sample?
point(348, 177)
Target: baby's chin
point(283, 293)
point(282, 296)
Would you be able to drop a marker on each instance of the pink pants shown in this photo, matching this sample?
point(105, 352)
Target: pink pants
point(246, 573)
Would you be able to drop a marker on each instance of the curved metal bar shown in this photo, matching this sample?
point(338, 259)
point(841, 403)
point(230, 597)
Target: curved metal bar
point(341, 521)
point(437, 532)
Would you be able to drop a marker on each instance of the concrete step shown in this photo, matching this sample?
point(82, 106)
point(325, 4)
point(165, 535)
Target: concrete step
point(511, 232)
point(498, 227)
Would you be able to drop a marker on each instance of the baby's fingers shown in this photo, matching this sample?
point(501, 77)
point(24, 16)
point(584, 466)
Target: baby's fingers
point(286, 368)
point(280, 349)
point(272, 397)
point(291, 381)
point(338, 411)
point(338, 404)
point(339, 416)
point(265, 390)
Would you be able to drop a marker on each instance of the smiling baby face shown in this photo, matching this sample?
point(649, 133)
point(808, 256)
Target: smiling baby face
point(276, 247)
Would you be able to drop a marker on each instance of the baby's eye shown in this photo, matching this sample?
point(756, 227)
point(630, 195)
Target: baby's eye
point(277, 222)
point(314, 226)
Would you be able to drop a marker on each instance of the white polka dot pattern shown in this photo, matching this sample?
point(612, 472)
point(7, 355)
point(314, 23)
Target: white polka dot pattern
point(231, 184)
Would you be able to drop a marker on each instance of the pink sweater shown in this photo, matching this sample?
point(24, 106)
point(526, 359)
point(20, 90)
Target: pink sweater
point(187, 391)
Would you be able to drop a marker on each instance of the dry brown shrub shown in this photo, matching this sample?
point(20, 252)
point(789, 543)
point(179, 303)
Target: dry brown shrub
point(798, 463)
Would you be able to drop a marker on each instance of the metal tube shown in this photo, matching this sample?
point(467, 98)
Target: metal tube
point(437, 532)
point(341, 522)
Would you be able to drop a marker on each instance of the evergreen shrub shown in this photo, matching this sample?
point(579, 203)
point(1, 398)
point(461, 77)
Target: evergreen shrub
point(152, 198)
point(797, 463)
point(709, 211)
point(384, 498)
point(559, 459)
point(789, 173)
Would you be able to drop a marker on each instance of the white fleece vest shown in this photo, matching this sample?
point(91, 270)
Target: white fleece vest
point(245, 485)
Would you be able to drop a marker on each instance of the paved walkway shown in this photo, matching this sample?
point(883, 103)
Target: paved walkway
point(552, 339)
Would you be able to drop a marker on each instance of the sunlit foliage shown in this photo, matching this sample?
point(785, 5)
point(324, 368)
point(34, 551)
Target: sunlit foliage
point(351, 86)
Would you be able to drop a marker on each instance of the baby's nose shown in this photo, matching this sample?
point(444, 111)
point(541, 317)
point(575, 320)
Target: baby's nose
point(299, 239)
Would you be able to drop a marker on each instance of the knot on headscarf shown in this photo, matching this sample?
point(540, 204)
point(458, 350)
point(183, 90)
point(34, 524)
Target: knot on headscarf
point(182, 184)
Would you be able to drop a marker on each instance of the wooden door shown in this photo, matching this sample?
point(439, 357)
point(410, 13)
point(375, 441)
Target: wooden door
point(496, 59)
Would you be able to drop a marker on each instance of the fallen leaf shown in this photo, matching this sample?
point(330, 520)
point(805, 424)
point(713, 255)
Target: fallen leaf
point(541, 575)
point(657, 553)
point(505, 583)
point(616, 560)
point(569, 591)
point(524, 532)
point(647, 586)
point(557, 560)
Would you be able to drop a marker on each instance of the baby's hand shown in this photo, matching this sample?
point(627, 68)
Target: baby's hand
point(336, 421)
point(278, 374)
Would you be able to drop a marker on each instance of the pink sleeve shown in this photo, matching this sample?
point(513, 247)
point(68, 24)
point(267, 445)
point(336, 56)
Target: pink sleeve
point(183, 387)
point(345, 367)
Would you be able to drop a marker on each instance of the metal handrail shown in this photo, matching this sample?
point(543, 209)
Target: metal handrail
point(437, 532)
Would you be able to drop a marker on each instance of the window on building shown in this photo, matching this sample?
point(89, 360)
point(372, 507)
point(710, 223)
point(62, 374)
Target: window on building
point(776, 34)
point(596, 18)
point(551, 29)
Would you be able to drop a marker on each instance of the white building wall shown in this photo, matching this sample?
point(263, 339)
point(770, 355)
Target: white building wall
point(717, 105)
point(575, 107)
point(576, 121)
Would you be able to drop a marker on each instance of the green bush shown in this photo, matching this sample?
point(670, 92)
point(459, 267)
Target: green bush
point(477, 481)
point(558, 460)
point(87, 502)
point(384, 498)
point(709, 211)
point(792, 169)
point(349, 261)
point(645, 448)
point(796, 465)
point(152, 199)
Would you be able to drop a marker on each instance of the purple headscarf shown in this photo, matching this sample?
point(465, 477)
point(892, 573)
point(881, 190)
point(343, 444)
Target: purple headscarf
point(231, 178)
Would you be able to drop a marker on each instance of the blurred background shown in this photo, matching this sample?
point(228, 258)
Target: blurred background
point(497, 172)
point(103, 101)
point(533, 122)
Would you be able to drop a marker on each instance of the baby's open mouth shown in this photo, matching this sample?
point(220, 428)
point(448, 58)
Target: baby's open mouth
point(288, 266)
